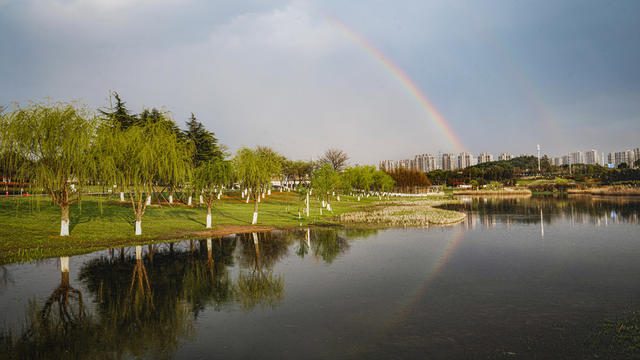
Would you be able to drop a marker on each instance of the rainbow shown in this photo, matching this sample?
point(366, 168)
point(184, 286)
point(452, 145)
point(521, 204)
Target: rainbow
point(403, 79)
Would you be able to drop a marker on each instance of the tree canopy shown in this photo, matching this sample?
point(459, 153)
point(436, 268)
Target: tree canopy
point(336, 158)
point(50, 145)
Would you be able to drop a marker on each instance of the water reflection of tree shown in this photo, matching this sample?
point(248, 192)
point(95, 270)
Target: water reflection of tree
point(59, 329)
point(327, 244)
point(259, 285)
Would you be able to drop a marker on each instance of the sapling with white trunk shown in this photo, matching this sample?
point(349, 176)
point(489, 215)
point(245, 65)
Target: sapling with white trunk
point(326, 180)
point(57, 139)
point(255, 168)
point(209, 176)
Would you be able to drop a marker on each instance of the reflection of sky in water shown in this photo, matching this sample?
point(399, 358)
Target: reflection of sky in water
point(519, 275)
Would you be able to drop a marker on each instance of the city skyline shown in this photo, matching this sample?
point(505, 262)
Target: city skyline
point(451, 161)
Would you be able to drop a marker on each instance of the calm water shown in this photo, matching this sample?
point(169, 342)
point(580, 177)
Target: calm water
point(520, 278)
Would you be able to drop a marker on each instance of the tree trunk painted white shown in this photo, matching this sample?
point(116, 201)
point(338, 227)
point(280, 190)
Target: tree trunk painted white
point(64, 264)
point(201, 199)
point(308, 238)
point(208, 221)
point(328, 207)
point(358, 197)
point(121, 196)
point(189, 201)
point(269, 192)
point(208, 244)
point(263, 195)
point(323, 205)
point(64, 227)
point(320, 211)
point(310, 191)
point(298, 215)
point(255, 238)
point(338, 197)
point(307, 204)
point(170, 199)
point(149, 200)
point(259, 197)
point(247, 198)
point(138, 252)
point(219, 195)
point(138, 227)
point(255, 218)
point(333, 193)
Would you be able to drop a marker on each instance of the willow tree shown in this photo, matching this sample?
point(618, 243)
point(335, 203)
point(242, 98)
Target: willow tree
point(140, 155)
point(50, 146)
point(210, 177)
point(254, 170)
point(325, 180)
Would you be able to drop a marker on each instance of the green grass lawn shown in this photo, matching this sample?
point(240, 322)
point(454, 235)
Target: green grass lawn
point(30, 225)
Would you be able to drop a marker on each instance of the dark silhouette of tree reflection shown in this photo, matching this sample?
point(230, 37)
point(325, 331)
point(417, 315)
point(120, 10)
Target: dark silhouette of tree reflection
point(146, 299)
point(59, 329)
point(258, 285)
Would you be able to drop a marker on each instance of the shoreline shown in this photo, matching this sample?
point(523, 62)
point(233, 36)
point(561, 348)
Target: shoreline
point(25, 248)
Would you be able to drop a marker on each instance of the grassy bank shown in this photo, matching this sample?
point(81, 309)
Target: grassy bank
point(30, 225)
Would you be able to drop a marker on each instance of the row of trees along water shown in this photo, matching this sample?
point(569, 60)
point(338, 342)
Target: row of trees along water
point(63, 147)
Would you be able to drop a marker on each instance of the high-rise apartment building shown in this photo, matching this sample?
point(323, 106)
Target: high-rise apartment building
point(576, 157)
point(505, 156)
point(485, 157)
point(388, 165)
point(619, 158)
point(631, 158)
point(591, 157)
point(448, 161)
point(464, 160)
point(557, 161)
point(425, 162)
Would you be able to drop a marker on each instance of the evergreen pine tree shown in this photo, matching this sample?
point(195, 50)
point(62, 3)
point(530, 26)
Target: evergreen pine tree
point(204, 141)
point(119, 114)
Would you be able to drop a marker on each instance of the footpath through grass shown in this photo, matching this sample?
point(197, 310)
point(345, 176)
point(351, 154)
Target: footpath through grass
point(30, 225)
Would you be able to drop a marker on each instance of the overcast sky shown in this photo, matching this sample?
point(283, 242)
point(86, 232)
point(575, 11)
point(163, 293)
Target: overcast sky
point(505, 75)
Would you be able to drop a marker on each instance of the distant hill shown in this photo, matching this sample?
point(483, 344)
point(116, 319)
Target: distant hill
point(521, 162)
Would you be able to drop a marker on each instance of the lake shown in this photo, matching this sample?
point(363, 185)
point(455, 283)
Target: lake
point(519, 278)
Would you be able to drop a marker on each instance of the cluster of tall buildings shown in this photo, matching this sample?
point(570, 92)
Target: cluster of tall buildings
point(446, 161)
point(451, 161)
point(593, 157)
